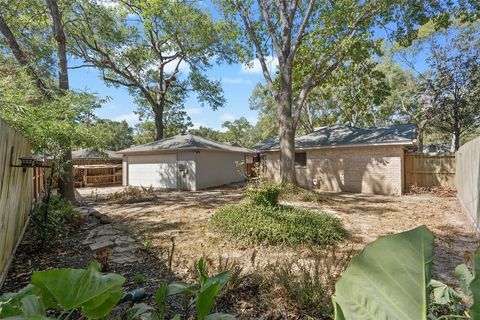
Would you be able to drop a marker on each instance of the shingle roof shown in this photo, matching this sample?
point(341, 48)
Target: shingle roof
point(185, 142)
point(92, 154)
point(347, 135)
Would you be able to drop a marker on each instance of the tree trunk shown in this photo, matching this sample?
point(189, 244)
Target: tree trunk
point(286, 133)
point(159, 127)
point(420, 134)
point(66, 184)
point(455, 144)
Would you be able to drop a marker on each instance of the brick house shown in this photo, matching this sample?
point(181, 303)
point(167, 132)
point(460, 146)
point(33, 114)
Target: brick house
point(346, 159)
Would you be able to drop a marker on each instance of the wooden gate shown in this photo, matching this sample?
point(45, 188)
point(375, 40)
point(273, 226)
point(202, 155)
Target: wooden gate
point(427, 170)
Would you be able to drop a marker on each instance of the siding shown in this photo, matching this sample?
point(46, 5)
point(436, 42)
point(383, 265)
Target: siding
point(377, 170)
point(216, 168)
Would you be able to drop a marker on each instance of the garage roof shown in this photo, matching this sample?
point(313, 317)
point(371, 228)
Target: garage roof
point(92, 154)
point(184, 142)
point(402, 134)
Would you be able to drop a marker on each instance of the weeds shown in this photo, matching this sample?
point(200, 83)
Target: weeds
point(291, 192)
point(132, 194)
point(139, 278)
point(278, 225)
point(308, 283)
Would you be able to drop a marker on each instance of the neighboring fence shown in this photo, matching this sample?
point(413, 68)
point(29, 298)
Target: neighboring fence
point(16, 193)
point(468, 179)
point(426, 170)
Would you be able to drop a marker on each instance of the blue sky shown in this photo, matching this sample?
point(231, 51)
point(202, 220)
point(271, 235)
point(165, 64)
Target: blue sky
point(237, 81)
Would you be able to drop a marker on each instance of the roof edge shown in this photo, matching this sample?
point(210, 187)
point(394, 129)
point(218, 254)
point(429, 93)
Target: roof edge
point(360, 145)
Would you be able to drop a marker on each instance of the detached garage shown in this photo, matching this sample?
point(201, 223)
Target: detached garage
point(345, 158)
point(185, 162)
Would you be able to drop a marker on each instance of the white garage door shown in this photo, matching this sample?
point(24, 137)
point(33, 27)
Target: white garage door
point(159, 171)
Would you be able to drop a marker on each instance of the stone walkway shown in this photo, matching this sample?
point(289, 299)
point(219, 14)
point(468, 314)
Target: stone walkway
point(122, 248)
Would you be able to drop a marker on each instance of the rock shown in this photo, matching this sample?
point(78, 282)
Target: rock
point(98, 245)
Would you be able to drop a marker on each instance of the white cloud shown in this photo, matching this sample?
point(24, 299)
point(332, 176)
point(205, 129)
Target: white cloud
point(197, 125)
point(227, 117)
point(254, 66)
point(194, 110)
point(131, 118)
point(235, 80)
point(183, 67)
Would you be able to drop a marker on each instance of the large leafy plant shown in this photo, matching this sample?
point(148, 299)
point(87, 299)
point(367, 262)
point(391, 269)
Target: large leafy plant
point(87, 291)
point(391, 279)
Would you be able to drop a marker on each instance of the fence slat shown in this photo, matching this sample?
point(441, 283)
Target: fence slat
point(16, 193)
point(426, 170)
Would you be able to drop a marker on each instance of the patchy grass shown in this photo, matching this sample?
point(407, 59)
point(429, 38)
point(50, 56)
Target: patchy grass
point(275, 225)
point(291, 193)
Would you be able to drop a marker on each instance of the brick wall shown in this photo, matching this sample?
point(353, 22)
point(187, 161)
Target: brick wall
point(377, 170)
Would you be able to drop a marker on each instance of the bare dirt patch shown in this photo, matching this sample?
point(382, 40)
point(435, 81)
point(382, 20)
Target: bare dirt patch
point(183, 216)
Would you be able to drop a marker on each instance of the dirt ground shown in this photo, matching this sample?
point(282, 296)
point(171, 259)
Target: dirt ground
point(182, 217)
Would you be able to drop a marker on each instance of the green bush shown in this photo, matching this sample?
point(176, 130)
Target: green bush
point(278, 225)
point(265, 194)
point(51, 220)
point(292, 192)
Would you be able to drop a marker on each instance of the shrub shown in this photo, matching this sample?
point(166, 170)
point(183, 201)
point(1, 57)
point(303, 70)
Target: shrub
point(292, 192)
point(265, 194)
point(51, 220)
point(278, 225)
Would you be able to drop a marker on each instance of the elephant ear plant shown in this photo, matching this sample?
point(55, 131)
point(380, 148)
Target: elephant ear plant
point(200, 297)
point(90, 292)
point(391, 279)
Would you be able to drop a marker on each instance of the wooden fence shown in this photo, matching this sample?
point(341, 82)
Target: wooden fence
point(468, 180)
point(426, 170)
point(16, 193)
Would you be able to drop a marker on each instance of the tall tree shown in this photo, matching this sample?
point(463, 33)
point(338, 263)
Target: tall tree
point(158, 49)
point(113, 135)
point(31, 45)
point(454, 84)
point(310, 39)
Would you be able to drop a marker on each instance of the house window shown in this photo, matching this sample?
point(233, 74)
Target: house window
point(301, 159)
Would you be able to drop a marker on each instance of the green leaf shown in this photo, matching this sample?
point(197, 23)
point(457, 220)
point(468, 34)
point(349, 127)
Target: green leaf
point(220, 316)
point(33, 306)
point(178, 287)
point(443, 294)
point(221, 279)
point(176, 317)
point(94, 292)
point(475, 287)
point(202, 270)
point(388, 279)
point(141, 310)
point(464, 277)
point(160, 296)
point(206, 299)
point(11, 303)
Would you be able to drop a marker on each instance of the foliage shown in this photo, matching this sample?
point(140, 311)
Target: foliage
point(275, 225)
point(411, 294)
point(49, 124)
point(292, 192)
point(92, 293)
point(111, 135)
point(199, 297)
point(409, 256)
point(161, 58)
point(308, 282)
point(51, 220)
point(266, 194)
